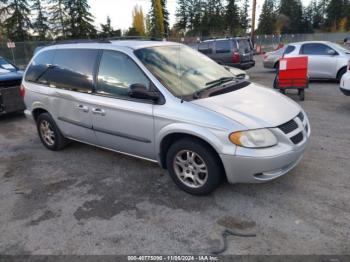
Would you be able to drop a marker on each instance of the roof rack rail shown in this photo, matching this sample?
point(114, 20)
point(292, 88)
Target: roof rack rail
point(141, 38)
point(81, 41)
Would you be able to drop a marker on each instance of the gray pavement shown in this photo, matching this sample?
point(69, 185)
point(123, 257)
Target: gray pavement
point(85, 200)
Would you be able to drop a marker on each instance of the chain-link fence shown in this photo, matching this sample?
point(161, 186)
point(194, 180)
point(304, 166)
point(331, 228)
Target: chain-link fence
point(270, 42)
point(23, 52)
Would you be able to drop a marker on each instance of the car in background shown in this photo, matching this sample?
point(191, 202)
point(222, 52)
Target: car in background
point(271, 59)
point(236, 52)
point(10, 81)
point(345, 82)
point(238, 73)
point(327, 60)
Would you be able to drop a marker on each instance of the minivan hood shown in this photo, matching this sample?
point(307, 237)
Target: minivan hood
point(253, 106)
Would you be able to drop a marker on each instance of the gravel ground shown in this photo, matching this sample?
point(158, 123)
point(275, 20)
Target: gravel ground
point(85, 200)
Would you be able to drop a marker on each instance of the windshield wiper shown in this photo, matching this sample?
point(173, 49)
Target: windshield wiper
point(212, 84)
point(220, 81)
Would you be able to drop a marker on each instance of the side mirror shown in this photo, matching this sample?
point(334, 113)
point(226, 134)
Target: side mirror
point(332, 52)
point(140, 91)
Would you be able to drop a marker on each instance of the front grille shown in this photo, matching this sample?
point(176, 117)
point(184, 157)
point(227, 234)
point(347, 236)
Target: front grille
point(301, 116)
point(288, 127)
point(298, 138)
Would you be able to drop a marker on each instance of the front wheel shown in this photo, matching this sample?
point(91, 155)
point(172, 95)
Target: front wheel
point(340, 74)
point(194, 167)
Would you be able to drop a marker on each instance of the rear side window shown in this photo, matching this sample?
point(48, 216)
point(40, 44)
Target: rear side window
point(205, 48)
point(223, 46)
point(315, 49)
point(70, 69)
point(73, 69)
point(38, 69)
point(244, 46)
point(289, 49)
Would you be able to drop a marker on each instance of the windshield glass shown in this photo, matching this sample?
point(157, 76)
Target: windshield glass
point(181, 69)
point(339, 47)
point(6, 65)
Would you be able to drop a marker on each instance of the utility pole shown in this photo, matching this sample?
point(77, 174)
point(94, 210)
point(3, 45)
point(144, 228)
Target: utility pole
point(252, 35)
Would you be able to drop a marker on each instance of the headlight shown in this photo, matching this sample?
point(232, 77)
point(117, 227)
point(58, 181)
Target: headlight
point(254, 138)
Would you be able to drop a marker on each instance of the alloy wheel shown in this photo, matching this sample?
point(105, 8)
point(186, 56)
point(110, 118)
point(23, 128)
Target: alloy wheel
point(190, 168)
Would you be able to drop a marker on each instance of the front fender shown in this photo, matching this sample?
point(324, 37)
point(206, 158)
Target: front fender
point(217, 138)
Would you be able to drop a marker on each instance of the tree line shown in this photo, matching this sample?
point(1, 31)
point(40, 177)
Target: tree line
point(232, 17)
point(212, 17)
point(290, 16)
point(23, 20)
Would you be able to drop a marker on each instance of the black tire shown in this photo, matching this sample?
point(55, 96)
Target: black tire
point(275, 82)
point(59, 141)
point(340, 74)
point(301, 94)
point(283, 91)
point(215, 172)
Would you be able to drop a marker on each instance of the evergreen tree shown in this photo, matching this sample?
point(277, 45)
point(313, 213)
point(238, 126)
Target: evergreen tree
point(40, 25)
point(307, 20)
point(267, 19)
point(157, 19)
point(107, 29)
point(244, 16)
point(17, 22)
point(232, 17)
point(58, 18)
point(165, 13)
point(317, 15)
point(336, 11)
point(182, 14)
point(80, 19)
point(291, 14)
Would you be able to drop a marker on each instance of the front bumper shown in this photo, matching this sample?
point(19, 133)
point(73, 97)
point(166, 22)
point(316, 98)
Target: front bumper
point(265, 164)
point(345, 91)
point(345, 84)
point(259, 169)
point(269, 64)
point(243, 65)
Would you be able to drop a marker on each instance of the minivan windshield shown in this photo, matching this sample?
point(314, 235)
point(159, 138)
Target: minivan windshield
point(183, 70)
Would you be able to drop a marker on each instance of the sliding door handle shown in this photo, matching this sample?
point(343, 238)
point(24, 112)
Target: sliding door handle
point(98, 111)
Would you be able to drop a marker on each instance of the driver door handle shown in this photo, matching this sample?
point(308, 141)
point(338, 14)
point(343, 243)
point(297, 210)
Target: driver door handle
point(98, 111)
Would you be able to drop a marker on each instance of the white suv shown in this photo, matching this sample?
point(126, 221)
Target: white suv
point(327, 60)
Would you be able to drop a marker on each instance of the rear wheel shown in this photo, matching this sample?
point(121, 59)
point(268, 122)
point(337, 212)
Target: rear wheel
point(194, 167)
point(49, 133)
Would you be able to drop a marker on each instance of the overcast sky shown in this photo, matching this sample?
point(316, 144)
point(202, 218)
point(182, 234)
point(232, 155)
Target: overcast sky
point(120, 10)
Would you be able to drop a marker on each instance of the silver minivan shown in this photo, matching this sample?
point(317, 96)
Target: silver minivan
point(166, 103)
